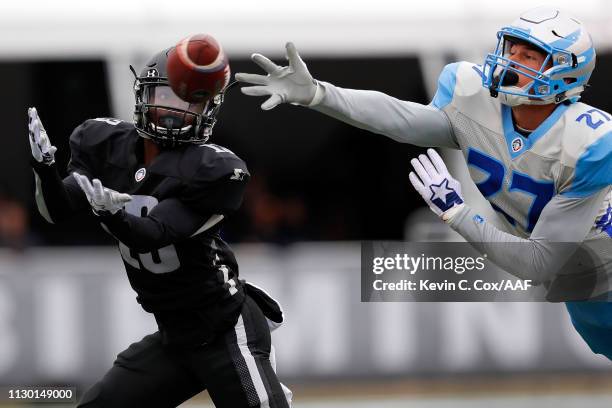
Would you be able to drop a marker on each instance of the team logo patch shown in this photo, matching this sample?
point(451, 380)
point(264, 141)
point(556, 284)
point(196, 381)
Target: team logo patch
point(517, 144)
point(140, 174)
point(478, 219)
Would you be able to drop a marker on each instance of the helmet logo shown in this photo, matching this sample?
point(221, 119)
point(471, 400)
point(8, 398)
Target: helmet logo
point(239, 175)
point(140, 174)
point(152, 73)
point(517, 144)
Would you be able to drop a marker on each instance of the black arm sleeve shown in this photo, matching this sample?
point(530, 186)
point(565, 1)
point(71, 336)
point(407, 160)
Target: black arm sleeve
point(174, 219)
point(57, 199)
point(170, 221)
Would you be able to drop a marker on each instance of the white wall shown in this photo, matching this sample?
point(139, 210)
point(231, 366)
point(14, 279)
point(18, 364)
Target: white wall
point(31, 29)
point(65, 314)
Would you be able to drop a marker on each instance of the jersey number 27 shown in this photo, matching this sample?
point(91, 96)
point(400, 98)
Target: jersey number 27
point(540, 191)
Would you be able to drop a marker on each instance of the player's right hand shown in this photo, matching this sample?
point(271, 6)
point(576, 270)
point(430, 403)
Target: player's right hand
point(290, 84)
point(102, 199)
point(42, 150)
point(440, 190)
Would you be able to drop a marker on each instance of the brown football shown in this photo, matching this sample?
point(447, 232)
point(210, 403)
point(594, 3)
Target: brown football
point(197, 68)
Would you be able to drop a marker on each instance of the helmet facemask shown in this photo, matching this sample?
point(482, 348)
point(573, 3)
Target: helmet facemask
point(160, 115)
point(502, 74)
point(167, 118)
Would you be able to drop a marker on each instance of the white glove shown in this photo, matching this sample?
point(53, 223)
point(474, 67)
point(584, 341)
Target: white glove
point(434, 183)
point(42, 150)
point(292, 84)
point(101, 198)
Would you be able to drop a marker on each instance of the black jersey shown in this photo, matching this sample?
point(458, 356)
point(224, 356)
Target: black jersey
point(168, 235)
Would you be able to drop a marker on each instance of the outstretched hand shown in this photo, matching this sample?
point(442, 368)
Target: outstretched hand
point(284, 84)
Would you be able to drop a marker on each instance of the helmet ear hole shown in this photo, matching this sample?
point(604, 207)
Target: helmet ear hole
point(574, 60)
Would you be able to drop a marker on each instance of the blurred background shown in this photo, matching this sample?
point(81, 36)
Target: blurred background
point(318, 188)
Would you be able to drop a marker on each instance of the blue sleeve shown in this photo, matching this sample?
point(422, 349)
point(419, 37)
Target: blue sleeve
point(446, 86)
point(593, 168)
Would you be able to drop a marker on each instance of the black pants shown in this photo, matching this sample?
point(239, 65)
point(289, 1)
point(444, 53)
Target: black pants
point(237, 369)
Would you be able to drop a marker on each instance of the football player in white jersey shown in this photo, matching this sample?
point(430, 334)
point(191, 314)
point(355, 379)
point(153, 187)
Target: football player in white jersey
point(542, 158)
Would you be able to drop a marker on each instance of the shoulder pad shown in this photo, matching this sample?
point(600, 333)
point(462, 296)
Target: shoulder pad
point(583, 126)
point(460, 89)
point(587, 146)
point(93, 133)
point(216, 163)
point(219, 181)
point(93, 143)
point(458, 80)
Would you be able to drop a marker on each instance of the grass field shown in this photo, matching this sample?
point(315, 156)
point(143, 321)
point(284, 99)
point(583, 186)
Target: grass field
point(492, 391)
point(527, 391)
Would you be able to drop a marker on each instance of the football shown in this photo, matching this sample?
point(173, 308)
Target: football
point(197, 68)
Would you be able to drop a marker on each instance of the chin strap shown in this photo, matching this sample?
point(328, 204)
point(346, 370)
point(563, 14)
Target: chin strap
point(572, 95)
point(508, 90)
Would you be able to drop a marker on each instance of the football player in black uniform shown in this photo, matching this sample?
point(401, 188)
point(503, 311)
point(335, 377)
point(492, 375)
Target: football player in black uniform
point(162, 191)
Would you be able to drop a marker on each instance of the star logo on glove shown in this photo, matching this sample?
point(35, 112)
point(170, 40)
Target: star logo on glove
point(443, 196)
point(440, 191)
point(435, 184)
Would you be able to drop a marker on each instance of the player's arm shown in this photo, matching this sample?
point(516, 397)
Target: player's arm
point(56, 199)
point(169, 222)
point(562, 226)
point(202, 206)
point(403, 121)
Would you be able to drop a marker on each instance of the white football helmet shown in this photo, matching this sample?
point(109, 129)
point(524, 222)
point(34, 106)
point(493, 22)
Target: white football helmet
point(566, 44)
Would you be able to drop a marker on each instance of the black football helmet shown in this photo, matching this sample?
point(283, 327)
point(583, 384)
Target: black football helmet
point(160, 115)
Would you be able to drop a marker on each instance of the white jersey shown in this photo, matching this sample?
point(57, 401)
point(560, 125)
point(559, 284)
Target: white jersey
point(568, 154)
point(552, 186)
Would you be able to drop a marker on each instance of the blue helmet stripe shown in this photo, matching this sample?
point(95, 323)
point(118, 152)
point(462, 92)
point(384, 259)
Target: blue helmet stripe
point(568, 41)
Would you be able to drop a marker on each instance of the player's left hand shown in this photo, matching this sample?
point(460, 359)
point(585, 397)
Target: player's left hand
point(435, 184)
point(42, 149)
point(289, 84)
point(102, 199)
